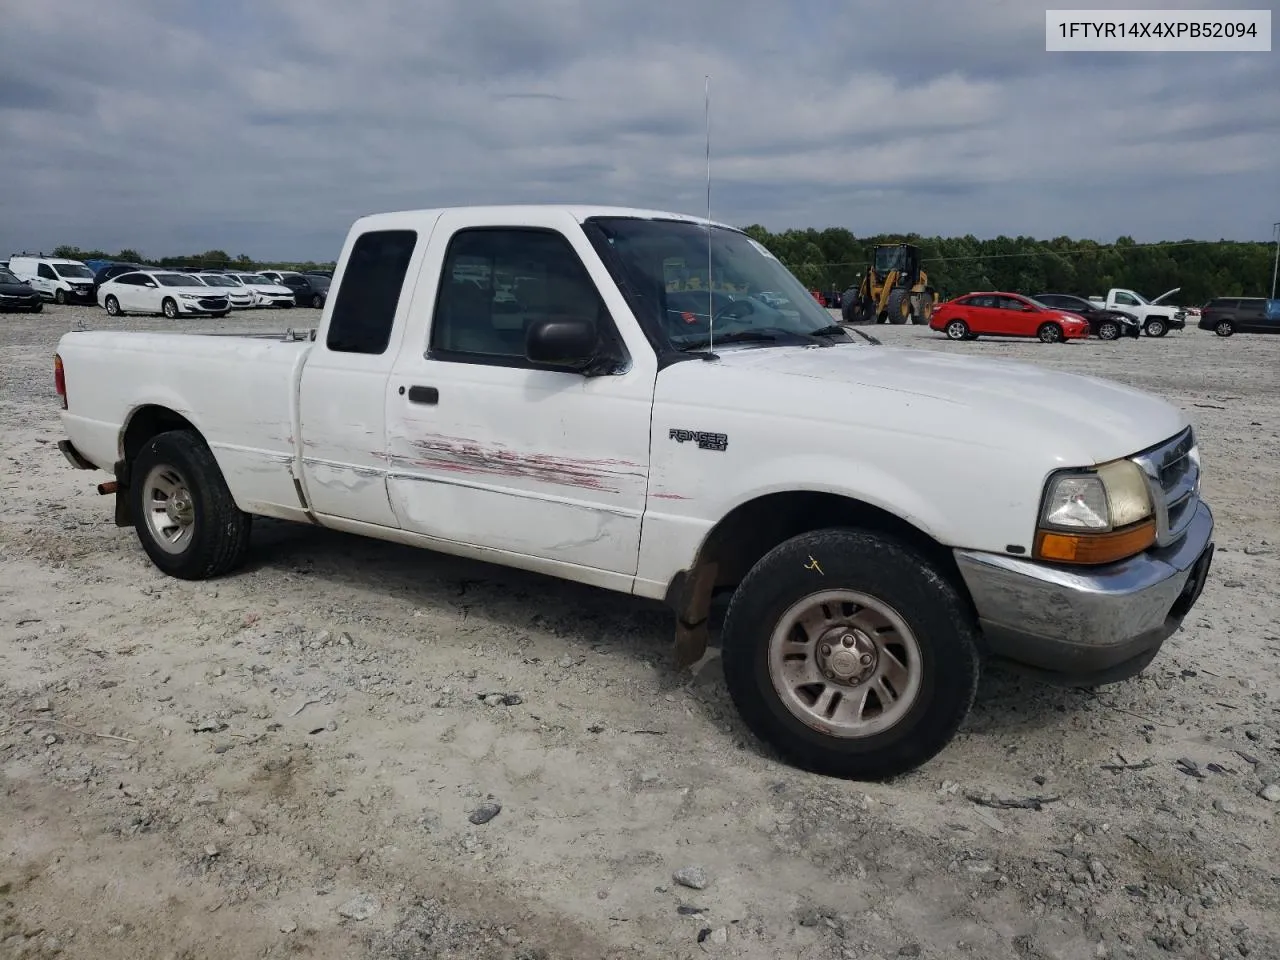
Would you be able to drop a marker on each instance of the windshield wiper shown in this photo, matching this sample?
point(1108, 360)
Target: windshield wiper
point(740, 336)
point(835, 330)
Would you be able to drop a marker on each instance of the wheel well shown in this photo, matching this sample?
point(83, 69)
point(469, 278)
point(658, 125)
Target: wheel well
point(146, 423)
point(752, 529)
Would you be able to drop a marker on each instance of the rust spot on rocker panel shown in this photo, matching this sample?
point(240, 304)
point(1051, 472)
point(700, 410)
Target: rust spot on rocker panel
point(459, 455)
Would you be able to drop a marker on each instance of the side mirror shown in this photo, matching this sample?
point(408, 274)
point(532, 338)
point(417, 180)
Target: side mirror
point(562, 343)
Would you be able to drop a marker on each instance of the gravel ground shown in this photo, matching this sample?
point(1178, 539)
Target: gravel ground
point(289, 761)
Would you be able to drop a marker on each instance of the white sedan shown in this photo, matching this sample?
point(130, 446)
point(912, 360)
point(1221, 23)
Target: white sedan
point(268, 294)
point(161, 291)
point(241, 297)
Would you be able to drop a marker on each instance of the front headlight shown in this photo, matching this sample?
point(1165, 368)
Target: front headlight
point(1096, 516)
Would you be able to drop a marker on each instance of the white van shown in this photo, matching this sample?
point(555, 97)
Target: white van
point(55, 278)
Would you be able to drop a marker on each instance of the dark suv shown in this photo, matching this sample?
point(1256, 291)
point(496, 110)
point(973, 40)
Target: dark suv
point(308, 290)
point(1225, 315)
point(1103, 323)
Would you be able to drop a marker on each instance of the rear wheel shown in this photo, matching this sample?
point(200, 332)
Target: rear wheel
point(1108, 330)
point(1225, 328)
point(957, 330)
point(1050, 333)
point(183, 511)
point(851, 654)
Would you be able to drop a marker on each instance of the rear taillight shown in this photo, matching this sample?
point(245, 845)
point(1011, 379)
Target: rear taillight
point(60, 380)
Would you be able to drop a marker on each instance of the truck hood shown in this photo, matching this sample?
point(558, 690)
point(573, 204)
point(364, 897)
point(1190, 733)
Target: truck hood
point(1160, 300)
point(992, 403)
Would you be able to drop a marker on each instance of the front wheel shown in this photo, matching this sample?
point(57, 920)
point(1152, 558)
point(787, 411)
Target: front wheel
point(1050, 333)
point(39, 307)
point(317, 301)
point(1224, 328)
point(851, 654)
point(1108, 330)
point(60, 297)
point(170, 308)
point(183, 511)
point(957, 330)
point(1156, 328)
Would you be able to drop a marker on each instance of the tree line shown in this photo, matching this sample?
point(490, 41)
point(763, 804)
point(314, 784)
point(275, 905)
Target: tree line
point(834, 259)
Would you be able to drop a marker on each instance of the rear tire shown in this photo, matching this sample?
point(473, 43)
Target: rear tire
point(880, 621)
point(1050, 333)
point(957, 330)
point(113, 307)
point(1225, 328)
point(183, 511)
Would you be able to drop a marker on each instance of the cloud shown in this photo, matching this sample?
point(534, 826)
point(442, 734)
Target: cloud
point(173, 126)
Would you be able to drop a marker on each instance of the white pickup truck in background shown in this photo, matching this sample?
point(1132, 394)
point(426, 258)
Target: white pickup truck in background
point(1156, 317)
point(884, 518)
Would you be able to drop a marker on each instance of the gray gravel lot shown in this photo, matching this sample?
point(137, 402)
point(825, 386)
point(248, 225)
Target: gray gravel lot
point(285, 762)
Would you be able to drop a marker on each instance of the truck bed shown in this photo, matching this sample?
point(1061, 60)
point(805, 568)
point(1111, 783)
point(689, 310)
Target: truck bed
point(238, 390)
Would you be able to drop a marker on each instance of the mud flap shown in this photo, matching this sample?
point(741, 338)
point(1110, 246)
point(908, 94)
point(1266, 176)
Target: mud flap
point(124, 516)
point(693, 613)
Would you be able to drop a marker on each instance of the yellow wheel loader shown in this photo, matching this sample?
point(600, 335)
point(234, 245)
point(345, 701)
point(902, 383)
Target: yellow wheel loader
point(893, 289)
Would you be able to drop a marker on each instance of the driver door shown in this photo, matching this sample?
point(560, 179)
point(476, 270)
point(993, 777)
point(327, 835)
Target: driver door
point(488, 449)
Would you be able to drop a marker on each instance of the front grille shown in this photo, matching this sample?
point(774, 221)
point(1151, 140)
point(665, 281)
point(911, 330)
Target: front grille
point(213, 303)
point(1173, 476)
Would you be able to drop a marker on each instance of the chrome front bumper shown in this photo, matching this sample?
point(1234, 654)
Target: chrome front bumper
point(1089, 625)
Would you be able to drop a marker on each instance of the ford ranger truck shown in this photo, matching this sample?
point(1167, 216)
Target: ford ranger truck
point(609, 396)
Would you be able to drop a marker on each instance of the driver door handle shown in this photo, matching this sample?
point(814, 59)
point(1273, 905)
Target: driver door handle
point(424, 395)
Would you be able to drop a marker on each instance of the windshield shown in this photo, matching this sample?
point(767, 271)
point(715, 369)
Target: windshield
point(176, 280)
point(73, 271)
point(1139, 297)
point(7, 277)
point(217, 280)
point(663, 265)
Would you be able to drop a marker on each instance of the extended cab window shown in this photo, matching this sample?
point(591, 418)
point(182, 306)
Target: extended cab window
point(497, 282)
point(365, 310)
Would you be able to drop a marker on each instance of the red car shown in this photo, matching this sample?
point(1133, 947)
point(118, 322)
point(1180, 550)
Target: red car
point(1005, 315)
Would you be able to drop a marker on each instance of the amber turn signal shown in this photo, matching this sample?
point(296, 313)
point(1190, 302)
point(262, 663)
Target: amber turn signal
point(1094, 548)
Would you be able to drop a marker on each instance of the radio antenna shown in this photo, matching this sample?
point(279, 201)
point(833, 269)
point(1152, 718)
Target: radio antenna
point(711, 313)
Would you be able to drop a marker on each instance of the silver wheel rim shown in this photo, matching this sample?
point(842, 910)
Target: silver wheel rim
point(955, 330)
point(1109, 331)
point(170, 309)
point(845, 664)
point(1224, 328)
point(111, 305)
point(170, 512)
point(1156, 328)
point(1049, 333)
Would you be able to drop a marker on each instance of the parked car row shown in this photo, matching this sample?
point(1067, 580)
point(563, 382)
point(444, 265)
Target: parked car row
point(64, 281)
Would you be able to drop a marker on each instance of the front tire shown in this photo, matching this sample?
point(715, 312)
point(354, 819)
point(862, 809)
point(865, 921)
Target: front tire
point(170, 308)
point(317, 302)
point(1156, 328)
point(1050, 333)
point(39, 307)
point(60, 297)
point(1108, 330)
point(1225, 328)
point(851, 654)
point(957, 330)
point(898, 307)
point(183, 511)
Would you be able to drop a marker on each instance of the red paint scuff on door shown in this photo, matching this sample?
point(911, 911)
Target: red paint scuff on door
point(459, 455)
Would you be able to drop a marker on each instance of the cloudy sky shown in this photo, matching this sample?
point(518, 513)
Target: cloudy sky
point(266, 126)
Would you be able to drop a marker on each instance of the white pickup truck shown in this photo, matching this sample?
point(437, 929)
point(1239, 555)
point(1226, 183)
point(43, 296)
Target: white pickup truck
point(1156, 317)
point(884, 519)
